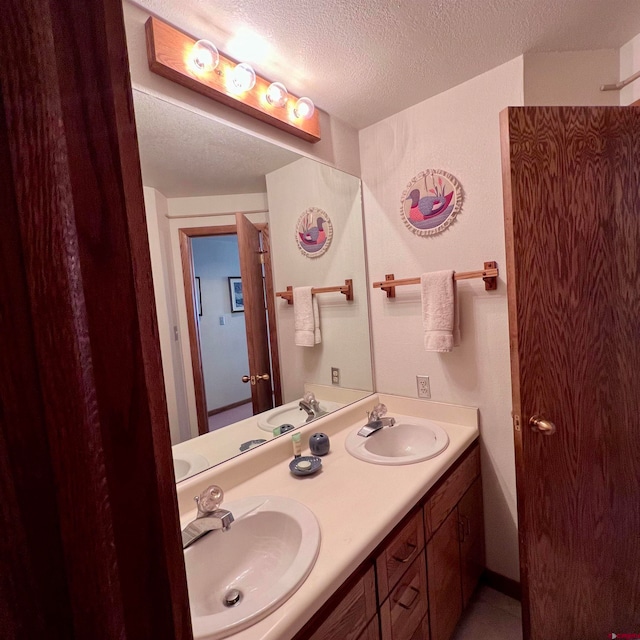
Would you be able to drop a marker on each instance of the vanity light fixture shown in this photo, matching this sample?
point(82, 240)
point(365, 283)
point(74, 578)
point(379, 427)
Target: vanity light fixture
point(204, 56)
point(277, 94)
point(199, 66)
point(243, 77)
point(304, 108)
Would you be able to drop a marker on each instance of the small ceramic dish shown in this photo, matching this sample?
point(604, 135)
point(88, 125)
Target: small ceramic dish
point(297, 465)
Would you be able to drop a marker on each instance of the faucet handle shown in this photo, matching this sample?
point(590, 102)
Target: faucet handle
point(378, 411)
point(210, 499)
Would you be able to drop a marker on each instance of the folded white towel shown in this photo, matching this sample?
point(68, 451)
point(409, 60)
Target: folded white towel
point(439, 311)
point(306, 318)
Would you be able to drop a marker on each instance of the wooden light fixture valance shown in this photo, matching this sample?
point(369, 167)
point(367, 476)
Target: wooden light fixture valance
point(168, 51)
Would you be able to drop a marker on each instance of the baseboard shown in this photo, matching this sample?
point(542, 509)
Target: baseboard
point(233, 405)
point(502, 584)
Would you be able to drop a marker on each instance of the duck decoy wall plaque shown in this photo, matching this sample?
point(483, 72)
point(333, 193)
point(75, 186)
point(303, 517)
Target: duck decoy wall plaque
point(314, 232)
point(431, 202)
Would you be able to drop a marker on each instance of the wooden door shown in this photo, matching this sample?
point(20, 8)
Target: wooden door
point(471, 539)
point(445, 593)
point(572, 210)
point(255, 314)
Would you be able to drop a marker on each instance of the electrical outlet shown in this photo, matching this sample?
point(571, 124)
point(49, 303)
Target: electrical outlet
point(335, 375)
point(424, 388)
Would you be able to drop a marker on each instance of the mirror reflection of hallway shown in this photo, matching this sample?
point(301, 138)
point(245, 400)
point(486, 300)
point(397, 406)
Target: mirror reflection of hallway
point(222, 331)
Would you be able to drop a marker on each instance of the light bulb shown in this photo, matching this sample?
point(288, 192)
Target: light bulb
point(243, 77)
point(277, 94)
point(204, 56)
point(304, 108)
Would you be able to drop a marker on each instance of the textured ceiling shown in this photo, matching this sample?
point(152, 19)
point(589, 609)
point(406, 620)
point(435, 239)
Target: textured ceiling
point(363, 60)
point(185, 154)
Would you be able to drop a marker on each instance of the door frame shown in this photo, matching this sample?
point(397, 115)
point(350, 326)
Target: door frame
point(188, 280)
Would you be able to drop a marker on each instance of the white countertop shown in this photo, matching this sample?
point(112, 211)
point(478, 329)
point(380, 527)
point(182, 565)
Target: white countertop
point(356, 503)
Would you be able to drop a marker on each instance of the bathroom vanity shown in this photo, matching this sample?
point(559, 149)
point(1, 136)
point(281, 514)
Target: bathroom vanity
point(402, 547)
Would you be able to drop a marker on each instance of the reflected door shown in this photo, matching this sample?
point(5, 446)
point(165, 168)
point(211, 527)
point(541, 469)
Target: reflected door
point(255, 309)
point(572, 217)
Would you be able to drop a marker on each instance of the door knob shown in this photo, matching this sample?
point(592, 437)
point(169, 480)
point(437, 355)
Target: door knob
point(264, 376)
point(543, 426)
point(245, 378)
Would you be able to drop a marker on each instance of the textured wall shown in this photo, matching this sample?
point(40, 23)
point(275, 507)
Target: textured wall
point(571, 78)
point(457, 131)
point(630, 64)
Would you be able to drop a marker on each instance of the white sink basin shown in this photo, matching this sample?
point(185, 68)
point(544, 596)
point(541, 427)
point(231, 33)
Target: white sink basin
point(409, 440)
point(267, 553)
point(291, 413)
point(186, 465)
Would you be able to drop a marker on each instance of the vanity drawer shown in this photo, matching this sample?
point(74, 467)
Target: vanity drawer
point(403, 612)
point(448, 494)
point(399, 552)
point(354, 610)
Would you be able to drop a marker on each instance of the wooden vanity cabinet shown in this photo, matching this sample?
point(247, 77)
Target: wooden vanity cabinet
point(455, 546)
point(425, 570)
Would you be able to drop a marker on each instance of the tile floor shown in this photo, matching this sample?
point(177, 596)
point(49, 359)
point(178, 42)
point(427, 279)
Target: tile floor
point(490, 616)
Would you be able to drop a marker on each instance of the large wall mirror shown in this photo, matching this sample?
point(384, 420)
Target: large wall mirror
point(220, 201)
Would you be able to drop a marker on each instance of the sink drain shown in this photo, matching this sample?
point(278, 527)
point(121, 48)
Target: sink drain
point(231, 598)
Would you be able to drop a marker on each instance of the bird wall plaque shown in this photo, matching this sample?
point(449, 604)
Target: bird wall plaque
point(314, 232)
point(431, 202)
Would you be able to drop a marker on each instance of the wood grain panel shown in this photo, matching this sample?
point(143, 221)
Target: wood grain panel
point(449, 492)
point(445, 591)
point(74, 209)
point(350, 617)
point(470, 515)
point(250, 249)
point(372, 632)
point(402, 613)
point(572, 214)
point(398, 554)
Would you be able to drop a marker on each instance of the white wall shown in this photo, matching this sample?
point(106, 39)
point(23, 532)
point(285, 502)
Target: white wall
point(225, 358)
point(339, 144)
point(457, 131)
point(345, 327)
point(164, 290)
point(630, 64)
point(570, 78)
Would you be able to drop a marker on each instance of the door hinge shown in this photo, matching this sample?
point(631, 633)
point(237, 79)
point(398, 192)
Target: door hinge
point(516, 422)
point(261, 255)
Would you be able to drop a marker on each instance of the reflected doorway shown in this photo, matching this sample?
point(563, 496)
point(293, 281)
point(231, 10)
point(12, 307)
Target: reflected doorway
point(232, 338)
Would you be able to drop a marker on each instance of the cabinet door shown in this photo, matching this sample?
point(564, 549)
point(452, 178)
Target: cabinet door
point(372, 632)
point(472, 539)
point(445, 591)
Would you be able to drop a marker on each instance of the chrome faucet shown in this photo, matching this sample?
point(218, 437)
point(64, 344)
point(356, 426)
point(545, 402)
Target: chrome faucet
point(209, 518)
point(311, 406)
point(375, 421)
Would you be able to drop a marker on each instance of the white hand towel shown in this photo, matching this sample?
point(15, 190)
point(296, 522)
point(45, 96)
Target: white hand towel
point(306, 317)
point(439, 311)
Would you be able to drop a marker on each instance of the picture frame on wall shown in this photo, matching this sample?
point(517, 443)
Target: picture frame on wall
point(236, 295)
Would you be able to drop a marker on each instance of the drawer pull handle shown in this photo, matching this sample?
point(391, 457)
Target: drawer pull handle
point(412, 547)
point(414, 594)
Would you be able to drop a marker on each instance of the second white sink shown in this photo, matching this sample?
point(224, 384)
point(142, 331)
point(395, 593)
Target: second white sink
point(410, 440)
point(291, 413)
point(262, 559)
